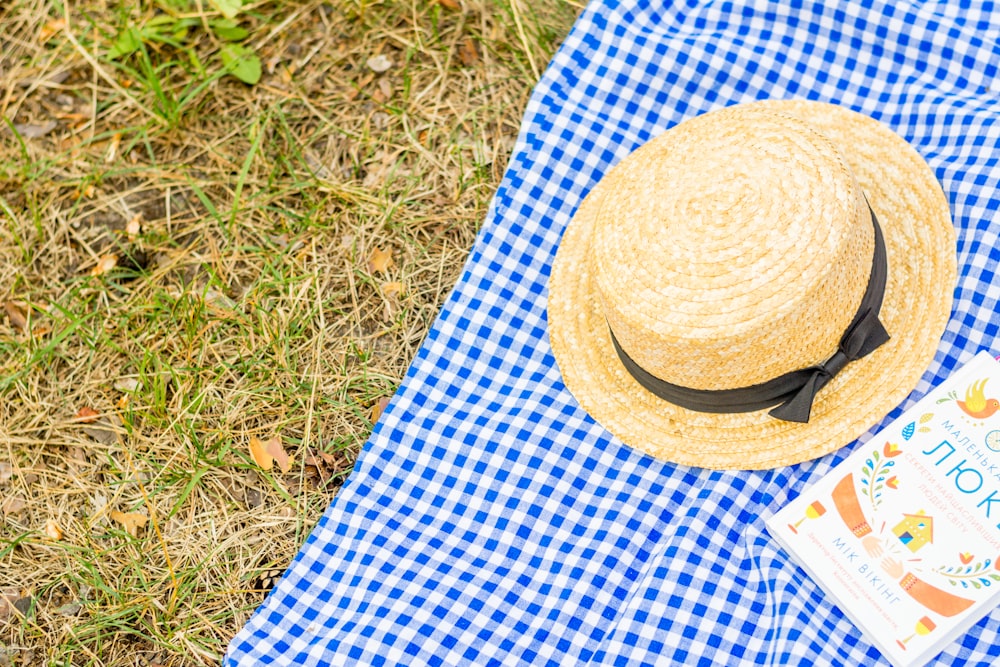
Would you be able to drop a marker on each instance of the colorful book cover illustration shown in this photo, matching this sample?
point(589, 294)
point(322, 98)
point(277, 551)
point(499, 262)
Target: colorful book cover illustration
point(904, 535)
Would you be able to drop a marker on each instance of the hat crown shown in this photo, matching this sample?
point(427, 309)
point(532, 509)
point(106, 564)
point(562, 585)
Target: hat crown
point(731, 249)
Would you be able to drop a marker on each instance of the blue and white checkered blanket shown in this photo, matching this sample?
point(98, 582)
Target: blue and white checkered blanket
point(489, 520)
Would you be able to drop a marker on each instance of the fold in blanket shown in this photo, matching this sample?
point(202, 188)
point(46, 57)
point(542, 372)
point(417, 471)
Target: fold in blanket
point(489, 520)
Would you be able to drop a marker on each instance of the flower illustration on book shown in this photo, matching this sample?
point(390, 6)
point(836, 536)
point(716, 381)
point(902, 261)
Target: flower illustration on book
point(969, 575)
point(924, 627)
point(814, 511)
point(875, 472)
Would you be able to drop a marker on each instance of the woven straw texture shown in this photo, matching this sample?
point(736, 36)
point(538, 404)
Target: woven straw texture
point(735, 247)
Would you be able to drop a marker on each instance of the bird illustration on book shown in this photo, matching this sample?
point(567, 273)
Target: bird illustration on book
point(976, 404)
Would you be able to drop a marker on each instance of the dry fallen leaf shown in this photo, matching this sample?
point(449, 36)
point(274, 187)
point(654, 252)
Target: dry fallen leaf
point(69, 609)
point(13, 504)
point(258, 452)
point(219, 300)
point(315, 163)
point(105, 430)
point(321, 459)
point(76, 458)
point(468, 53)
point(104, 264)
point(113, 148)
point(131, 521)
point(127, 384)
point(86, 415)
point(6, 472)
point(243, 489)
point(266, 454)
point(24, 605)
point(378, 408)
point(384, 92)
point(379, 63)
point(379, 260)
point(361, 85)
point(70, 144)
point(35, 131)
point(99, 502)
point(52, 530)
point(8, 597)
point(50, 29)
point(279, 455)
point(133, 227)
point(40, 330)
point(391, 293)
point(76, 120)
point(281, 240)
point(17, 316)
point(450, 4)
point(392, 289)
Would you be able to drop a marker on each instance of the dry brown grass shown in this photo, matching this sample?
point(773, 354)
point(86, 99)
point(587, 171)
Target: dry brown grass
point(251, 294)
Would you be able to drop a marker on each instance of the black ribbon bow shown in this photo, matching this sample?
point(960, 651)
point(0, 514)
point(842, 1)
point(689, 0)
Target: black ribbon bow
point(796, 390)
point(861, 339)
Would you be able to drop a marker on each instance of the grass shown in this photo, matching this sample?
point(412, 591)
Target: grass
point(188, 262)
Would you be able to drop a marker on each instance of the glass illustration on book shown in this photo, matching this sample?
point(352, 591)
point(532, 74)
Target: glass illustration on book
point(814, 511)
point(904, 534)
point(925, 626)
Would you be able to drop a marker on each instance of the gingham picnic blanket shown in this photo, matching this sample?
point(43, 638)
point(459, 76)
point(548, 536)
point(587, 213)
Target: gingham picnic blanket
point(489, 520)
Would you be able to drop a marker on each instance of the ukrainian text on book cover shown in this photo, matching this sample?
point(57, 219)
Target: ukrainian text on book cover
point(904, 535)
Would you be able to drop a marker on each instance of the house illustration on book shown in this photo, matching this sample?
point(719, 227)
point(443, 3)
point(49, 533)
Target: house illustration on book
point(915, 530)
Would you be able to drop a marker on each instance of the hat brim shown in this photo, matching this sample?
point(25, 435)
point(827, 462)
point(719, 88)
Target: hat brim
point(920, 244)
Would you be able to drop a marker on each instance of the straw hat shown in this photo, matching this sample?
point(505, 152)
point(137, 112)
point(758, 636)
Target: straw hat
point(786, 253)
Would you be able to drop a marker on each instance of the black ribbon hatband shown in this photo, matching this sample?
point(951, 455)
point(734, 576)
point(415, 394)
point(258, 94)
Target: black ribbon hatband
point(792, 392)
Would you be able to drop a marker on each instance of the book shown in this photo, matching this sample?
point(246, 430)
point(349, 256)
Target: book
point(903, 536)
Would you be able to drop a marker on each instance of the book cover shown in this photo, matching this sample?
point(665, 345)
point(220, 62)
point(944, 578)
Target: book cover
point(904, 535)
